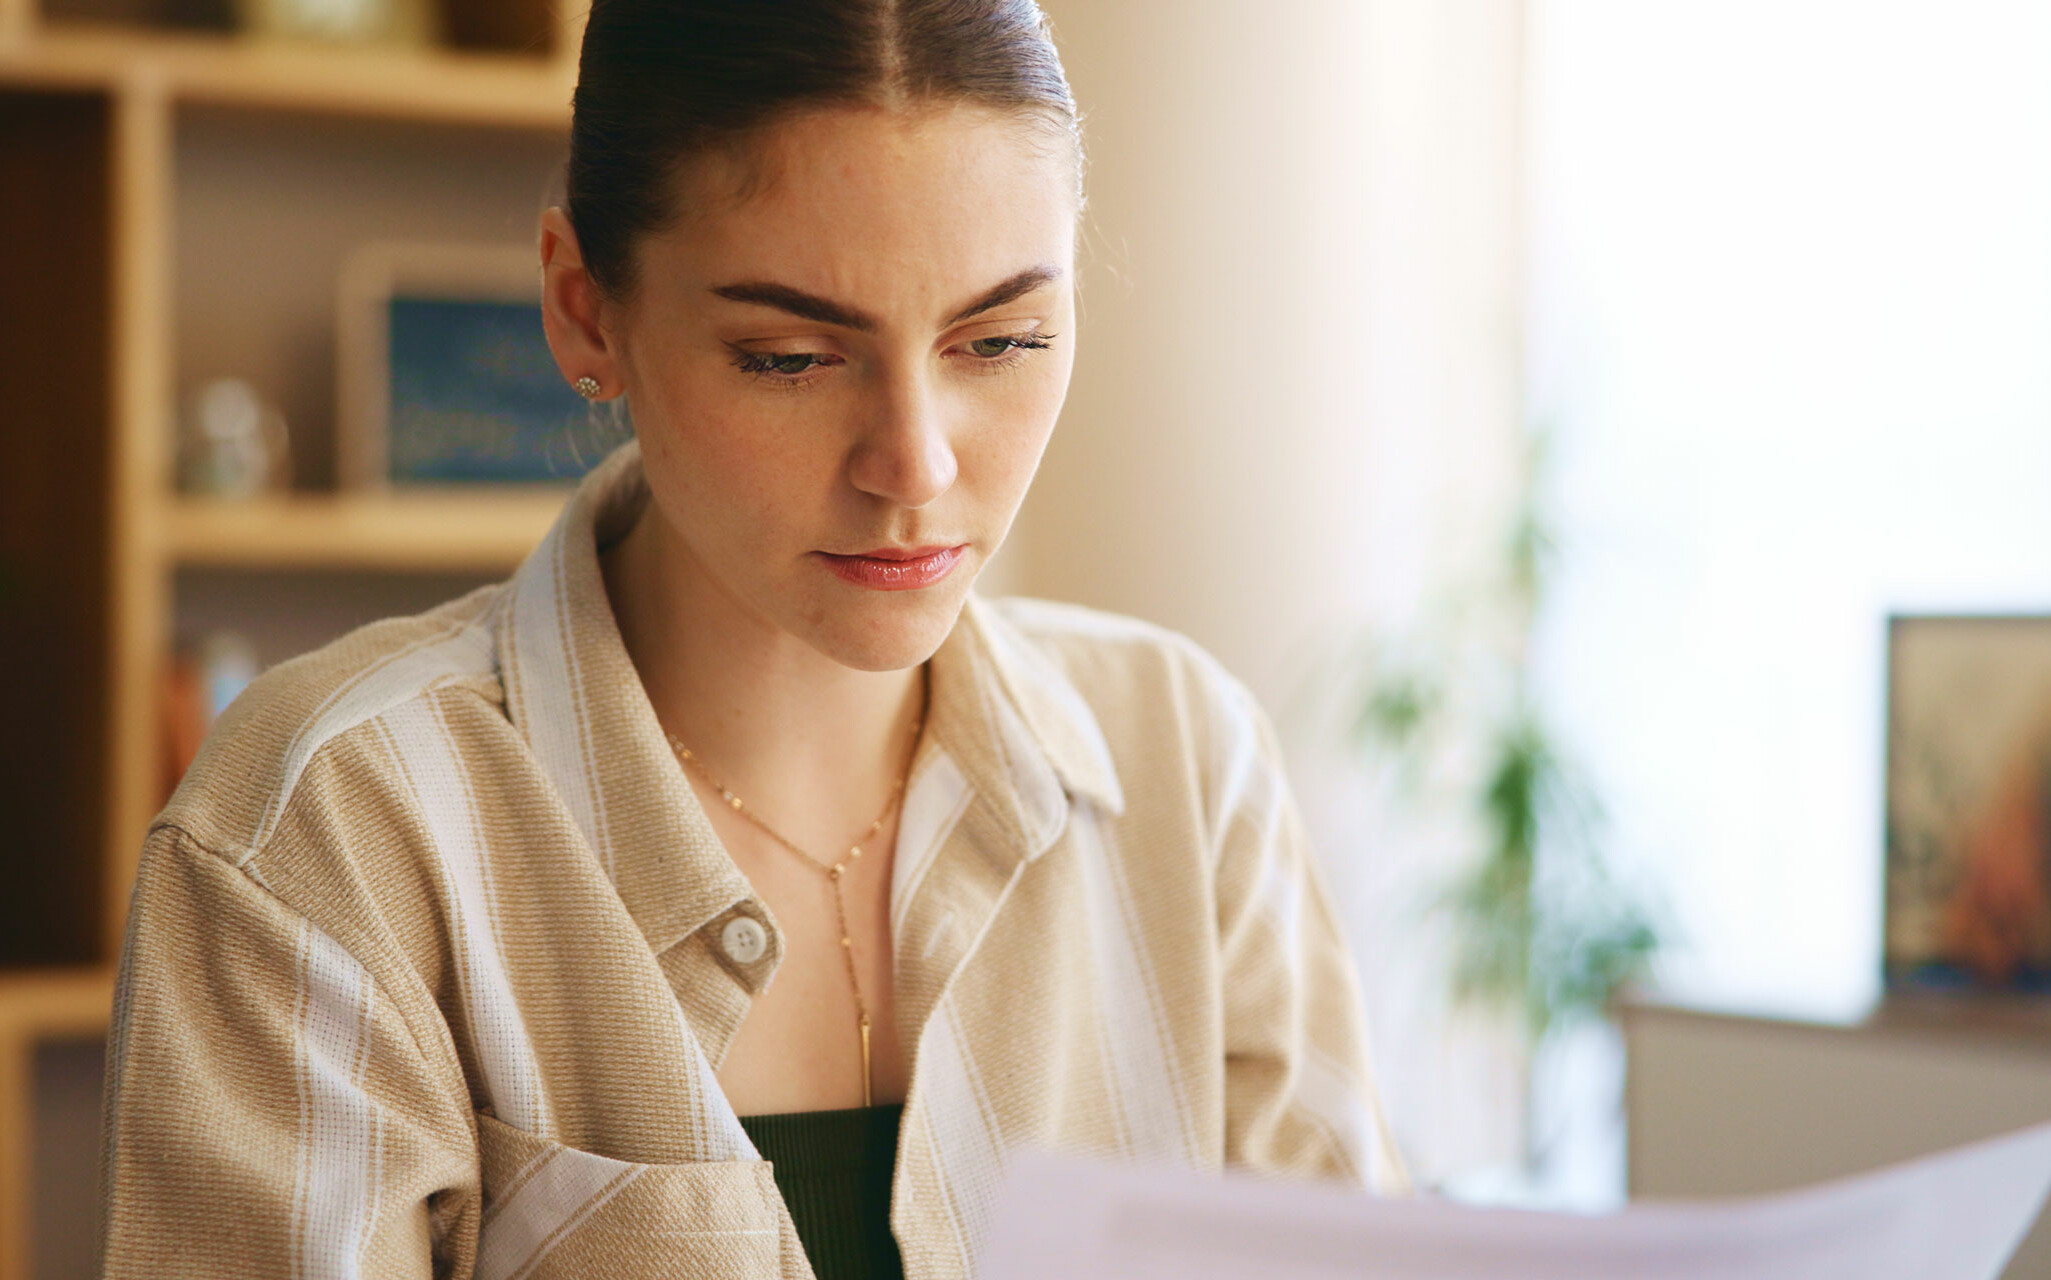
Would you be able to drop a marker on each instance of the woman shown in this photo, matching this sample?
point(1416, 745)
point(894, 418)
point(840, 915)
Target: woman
point(508, 939)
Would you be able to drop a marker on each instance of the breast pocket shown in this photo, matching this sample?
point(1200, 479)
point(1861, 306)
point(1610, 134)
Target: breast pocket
point(552, 1211)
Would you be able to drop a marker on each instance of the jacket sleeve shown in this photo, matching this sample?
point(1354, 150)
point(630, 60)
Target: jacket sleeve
point(268, 1112)
point(1300, 1094)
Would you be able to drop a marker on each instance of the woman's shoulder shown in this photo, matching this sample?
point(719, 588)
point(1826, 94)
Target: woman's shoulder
point(260, 750)
point(1097, 645)
point(1132, 673)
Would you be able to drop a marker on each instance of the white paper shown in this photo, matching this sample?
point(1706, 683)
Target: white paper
point(1957, 1215)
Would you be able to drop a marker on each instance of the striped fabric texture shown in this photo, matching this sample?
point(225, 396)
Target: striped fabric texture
point(422, 977)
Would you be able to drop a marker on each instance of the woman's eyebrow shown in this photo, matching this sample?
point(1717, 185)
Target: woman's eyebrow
point(805, 306)
point(1016, 287)
point(810, 306)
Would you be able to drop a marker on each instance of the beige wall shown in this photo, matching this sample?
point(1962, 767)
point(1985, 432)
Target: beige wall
point(1296, 381)
point(1299, 310)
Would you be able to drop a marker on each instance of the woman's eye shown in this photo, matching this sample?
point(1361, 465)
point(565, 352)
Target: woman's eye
point(993, 348)
point(990, 354)
point(782, 365)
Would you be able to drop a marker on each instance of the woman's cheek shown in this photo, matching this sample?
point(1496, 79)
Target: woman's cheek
point(1041, 410)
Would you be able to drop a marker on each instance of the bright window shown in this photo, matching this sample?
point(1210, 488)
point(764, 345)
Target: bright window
point(1791, 327)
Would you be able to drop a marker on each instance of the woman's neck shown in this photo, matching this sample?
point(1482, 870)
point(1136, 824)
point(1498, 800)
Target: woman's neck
point(785, 727)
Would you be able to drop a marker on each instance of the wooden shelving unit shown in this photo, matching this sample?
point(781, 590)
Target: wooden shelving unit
point(34, 1008)
point(134, 159)
point(399, 84)
point(400, 534)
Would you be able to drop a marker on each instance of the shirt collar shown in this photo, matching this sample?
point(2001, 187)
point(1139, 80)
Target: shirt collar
point(1011, 719)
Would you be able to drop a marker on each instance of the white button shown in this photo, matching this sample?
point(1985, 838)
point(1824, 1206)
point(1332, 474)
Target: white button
point(744, 940)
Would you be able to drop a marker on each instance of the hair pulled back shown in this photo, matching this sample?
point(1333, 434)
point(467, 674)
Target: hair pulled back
point(661, 81)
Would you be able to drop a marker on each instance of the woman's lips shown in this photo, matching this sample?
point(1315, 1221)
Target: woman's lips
point(922, 568)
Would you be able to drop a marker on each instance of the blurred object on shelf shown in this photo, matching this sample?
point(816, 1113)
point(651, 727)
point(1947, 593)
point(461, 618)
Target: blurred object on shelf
point(232, 443)
point(400, 22)
point(227, 664)
point(199, 682)
point(175, 15)
point(1969, 803)
point(521, 26)
point(183, 719)
point(445, 377)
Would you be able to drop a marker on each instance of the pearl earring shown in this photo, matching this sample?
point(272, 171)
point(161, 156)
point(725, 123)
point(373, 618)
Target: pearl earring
point(587, 386)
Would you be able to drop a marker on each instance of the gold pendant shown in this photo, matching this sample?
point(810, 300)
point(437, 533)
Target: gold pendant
point(866, 1100)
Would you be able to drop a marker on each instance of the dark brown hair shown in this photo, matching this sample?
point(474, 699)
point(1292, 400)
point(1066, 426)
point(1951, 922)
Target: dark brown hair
point(661, 81)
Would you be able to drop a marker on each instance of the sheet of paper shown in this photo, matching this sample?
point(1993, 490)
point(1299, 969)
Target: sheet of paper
point(1957, 1215)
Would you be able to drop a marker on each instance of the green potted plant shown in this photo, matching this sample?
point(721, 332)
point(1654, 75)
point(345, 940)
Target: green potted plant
point(1541, 930)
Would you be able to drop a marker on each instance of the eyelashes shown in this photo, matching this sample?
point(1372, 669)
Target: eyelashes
point(991, 355)
point(1013, 342)
point(764, 363)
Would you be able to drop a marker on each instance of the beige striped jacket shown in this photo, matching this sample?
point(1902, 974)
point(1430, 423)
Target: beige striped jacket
point(423, 971)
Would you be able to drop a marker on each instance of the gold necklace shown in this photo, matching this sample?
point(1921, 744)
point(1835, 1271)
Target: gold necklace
point(834, 872)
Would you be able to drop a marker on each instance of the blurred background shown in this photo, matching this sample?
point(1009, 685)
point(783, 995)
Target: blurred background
point(1612, 439)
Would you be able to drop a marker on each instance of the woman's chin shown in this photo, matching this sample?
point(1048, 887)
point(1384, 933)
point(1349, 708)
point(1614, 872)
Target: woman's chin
point(897, 631)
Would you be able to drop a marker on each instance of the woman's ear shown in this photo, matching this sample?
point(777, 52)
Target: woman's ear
point(570, 312)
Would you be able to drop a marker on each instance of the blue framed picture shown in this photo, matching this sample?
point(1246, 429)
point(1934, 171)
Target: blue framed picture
point(445, 375)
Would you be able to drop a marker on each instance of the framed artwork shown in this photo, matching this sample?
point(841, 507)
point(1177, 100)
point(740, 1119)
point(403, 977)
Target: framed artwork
point(444, 375)
point(1968, 821)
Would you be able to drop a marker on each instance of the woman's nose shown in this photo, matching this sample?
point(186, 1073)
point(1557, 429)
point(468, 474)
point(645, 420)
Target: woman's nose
point(904, 453)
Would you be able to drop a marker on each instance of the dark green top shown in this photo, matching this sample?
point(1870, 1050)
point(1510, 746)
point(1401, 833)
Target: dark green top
point(834, 1169)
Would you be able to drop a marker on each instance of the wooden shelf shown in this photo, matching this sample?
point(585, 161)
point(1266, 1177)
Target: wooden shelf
point(406, 532)
point(35, 1005)
point(54, 1003)
point(435, 86)
point(276, 158)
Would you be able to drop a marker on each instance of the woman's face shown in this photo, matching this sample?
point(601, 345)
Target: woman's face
point(856, 340)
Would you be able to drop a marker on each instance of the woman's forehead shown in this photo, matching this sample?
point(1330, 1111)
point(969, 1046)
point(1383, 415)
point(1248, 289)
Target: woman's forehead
point(880, 207)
